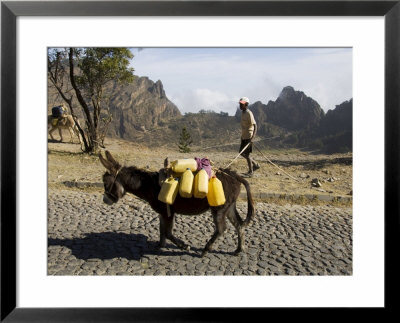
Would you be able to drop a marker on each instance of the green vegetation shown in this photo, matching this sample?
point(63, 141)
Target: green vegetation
point(185, 140)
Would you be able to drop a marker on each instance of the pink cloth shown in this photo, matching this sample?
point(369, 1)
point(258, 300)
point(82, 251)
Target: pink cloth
point(205, 164)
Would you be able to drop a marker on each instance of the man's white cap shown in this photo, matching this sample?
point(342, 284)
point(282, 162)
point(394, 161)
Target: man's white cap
point(244, 100)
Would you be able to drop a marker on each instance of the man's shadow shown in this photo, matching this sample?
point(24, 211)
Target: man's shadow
point(109, 245)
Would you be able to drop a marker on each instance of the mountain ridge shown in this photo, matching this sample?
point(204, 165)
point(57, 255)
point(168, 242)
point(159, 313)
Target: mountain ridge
point(142, 112)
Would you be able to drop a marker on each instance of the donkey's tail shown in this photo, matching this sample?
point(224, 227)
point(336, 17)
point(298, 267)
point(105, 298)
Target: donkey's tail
point(250, 202)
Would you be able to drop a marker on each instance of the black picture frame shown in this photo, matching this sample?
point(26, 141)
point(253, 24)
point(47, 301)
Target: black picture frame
point(10, 10)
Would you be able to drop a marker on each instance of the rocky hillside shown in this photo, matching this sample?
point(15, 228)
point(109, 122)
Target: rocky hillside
point(336, 129)
point(143, 113)
point(207, 130)
point(139, 106)
point(136, 107)
point(338, 120)
point(292, 110)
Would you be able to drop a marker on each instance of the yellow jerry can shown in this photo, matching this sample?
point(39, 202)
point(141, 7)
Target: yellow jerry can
point(201, 184)
point(54, 122)
point(215, 196)
point(169, 190)
point(180, 165)
point(186, 184)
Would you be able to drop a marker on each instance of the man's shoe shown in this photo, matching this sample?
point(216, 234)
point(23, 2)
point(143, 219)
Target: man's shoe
point(255, 167)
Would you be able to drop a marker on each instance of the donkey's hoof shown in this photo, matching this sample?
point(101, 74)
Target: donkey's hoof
point(160, 245)
point(184, 247)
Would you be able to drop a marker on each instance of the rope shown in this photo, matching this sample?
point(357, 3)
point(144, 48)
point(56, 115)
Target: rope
point(268, 160)
point(231, 144)
point(238, 155)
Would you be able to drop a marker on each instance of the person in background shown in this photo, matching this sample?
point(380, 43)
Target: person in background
point(249, 129)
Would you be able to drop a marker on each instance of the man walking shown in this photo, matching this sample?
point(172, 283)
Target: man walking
point(249, 130)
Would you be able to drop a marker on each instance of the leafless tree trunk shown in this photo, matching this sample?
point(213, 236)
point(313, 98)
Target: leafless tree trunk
point(92, 128)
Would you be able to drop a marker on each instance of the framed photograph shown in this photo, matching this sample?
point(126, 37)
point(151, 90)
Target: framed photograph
point(109, 272)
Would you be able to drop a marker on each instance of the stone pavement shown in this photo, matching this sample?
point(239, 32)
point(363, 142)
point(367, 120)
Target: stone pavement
point(88, 237)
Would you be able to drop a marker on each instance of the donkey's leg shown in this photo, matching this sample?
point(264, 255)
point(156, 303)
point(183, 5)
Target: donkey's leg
point(60, 133)
point(163, 234)
point(178, 242)
point(234, 218)
point(166, 226)
point(51, 132)
point(220, 226)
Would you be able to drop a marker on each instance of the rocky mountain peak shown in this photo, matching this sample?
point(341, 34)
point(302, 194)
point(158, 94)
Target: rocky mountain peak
point(287, 92)
point(139, 106)
point(158, 89)
point(294, 110)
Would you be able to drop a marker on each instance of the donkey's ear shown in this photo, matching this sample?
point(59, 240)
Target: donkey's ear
point(166, 162)
point(105, 163)
point(111, 159)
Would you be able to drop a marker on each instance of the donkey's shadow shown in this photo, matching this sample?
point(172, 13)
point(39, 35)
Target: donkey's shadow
point(109, 245)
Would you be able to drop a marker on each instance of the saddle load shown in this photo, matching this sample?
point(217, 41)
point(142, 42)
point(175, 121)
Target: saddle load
point(57, 113)
point(192, 177)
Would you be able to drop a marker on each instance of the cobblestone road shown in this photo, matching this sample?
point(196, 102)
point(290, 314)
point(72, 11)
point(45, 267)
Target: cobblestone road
point(88, 237)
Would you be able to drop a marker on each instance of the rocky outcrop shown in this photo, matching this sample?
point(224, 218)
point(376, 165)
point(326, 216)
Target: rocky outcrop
point(293, 110)
point(336, 129)
point(139, 106)
point(338, 120)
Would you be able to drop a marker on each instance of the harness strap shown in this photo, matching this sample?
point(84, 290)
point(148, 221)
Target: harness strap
point(112, 185)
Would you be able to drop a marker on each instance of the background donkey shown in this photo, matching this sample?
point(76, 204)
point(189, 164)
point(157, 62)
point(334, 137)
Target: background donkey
point(119, 180)
point(66, 122)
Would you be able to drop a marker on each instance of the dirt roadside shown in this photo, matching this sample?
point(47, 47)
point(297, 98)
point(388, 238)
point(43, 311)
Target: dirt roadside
point(69, 168)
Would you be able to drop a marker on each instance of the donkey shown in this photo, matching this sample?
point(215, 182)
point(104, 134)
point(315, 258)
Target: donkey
point(67, 122)
point(119, 180)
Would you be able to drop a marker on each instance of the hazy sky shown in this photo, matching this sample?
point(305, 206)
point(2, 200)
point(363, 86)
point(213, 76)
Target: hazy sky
point(215, 78)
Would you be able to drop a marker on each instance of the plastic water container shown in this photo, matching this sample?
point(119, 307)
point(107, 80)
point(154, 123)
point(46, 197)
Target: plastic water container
point(200, 184)
point(169, 190)
point(186, 184)
point(180, 165)
point(215, 196)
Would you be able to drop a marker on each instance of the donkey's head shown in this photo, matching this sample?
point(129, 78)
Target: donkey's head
point(113, 189)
